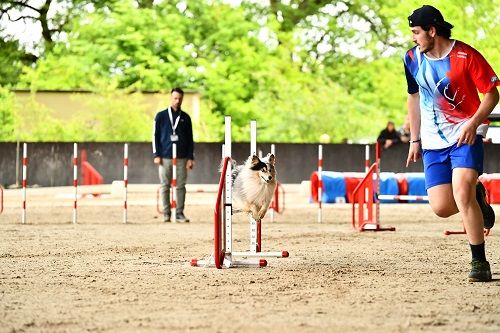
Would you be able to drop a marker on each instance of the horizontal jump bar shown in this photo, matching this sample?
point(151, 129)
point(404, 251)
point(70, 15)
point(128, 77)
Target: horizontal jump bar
point(403, 197)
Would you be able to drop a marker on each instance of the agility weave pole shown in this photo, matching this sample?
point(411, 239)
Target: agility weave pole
point(223, 255)
point(368, 218)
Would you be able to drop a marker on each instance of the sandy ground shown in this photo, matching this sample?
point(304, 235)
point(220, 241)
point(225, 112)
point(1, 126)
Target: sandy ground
point(104, 276)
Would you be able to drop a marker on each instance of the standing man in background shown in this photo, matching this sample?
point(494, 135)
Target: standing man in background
point(447, 124)
point(173, 125)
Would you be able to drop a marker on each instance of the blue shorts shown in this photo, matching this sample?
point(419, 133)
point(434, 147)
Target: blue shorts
point(439, 163)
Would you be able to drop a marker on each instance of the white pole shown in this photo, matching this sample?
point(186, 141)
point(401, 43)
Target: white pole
point(253, 137)
point(253, 151)
point(174, 182)
point(320, 182)
point(75, 180)
point(125, 181)
point(25, 167)
point(272, 209)
point(228, 188)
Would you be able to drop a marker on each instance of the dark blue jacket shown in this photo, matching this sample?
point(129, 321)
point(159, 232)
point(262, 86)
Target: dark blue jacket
point(162, 145)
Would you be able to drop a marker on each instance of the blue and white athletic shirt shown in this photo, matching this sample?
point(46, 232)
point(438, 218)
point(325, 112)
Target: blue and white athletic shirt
point(448, 89)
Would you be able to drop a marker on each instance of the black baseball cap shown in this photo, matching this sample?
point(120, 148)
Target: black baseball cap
point(428, 15)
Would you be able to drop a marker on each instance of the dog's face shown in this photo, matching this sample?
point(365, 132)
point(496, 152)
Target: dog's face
point(264, 168)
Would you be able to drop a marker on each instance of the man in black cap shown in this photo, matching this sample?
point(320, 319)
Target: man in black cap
point(447, 123)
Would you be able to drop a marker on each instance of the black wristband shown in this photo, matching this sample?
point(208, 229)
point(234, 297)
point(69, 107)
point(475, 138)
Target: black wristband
point(414, 141)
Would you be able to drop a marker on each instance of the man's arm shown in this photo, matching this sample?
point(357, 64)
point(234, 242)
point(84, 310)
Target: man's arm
point(413, 104)
point(190, 161)
point(156, 142)
point(468, 134)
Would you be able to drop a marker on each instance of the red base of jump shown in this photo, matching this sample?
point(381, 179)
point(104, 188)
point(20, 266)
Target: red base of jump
point(463, 232)
point(366, 218)
point(376, 227)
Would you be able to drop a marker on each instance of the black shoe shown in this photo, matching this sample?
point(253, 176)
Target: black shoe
point(181, 218)
point(488, 213)
point(166, 218)
point(480, 271)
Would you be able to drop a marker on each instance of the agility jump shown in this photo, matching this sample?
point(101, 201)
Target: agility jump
point(223, 255)
point(75, 183)
point(365, 196)
point(368, 216)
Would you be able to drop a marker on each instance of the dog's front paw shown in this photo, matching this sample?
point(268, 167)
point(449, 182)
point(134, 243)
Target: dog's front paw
point(256, 217)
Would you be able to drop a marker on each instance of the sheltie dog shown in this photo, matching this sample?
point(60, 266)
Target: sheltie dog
point(254, 183)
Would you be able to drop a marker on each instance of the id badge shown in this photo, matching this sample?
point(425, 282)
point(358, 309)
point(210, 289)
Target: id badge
point(174, 138)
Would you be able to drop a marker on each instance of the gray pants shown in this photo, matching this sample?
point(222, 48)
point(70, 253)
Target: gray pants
point(165, 171)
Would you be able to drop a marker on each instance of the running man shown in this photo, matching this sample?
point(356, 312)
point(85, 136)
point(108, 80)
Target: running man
point(447, 123)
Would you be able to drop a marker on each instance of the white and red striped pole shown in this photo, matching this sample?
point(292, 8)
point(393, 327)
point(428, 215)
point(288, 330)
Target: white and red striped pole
point(125, 181)
point(174, 183)
point(320, 181)
point(367, 167)
point(403, 197)
point(75, 180)
point(25, 169)
point(271, 208)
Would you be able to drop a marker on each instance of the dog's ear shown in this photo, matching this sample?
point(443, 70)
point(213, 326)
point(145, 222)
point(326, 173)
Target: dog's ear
point(254, 160)
point(271, 159)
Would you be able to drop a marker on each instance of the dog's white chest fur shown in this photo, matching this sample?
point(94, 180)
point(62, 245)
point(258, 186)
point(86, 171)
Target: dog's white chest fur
point(254, 184)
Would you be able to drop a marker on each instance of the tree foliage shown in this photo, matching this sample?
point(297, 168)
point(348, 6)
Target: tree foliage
point(7, 117)
point(301, 68)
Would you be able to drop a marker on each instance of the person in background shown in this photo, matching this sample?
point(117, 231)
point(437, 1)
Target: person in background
point(389, 136)
point(404, 131)
point(173, 125)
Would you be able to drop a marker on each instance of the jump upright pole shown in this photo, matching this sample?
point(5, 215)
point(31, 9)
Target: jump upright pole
point(320, 182)
point(255, 225)
point(271, 209)
point(25, 169)
point(125, 182)
point(75, 181)
point(174, 183)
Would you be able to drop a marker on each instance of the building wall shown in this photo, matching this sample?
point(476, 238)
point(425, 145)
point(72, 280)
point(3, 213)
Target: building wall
point(50, 164)
point(65, 104)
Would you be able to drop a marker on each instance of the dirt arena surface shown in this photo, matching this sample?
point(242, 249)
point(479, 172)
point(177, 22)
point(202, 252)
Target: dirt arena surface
point(103, 276)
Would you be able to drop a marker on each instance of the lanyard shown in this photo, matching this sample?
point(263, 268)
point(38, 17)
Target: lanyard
point(174, 126)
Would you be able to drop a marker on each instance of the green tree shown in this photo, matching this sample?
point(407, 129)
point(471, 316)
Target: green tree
point(7, 117)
